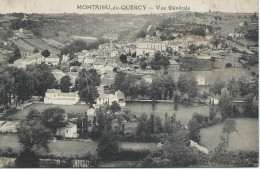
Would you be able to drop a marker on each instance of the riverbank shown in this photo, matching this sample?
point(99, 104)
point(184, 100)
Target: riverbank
point(157, 101)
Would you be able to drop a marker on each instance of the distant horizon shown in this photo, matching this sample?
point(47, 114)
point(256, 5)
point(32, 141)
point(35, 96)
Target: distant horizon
point(70, 6)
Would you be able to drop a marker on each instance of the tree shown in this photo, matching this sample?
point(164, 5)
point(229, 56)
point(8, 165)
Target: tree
point(115, 107)
point(159, 60)
point(89, 94)
point(54, 118)
point(87, 78)
point(243, 86)
point(143, 65)
point(228, 65)
point(216, 40)
point(174, 153)
point(43, 78)
point(229, 127)
point(193, 48)
point(46, 53)
point(76, 46)
point(22, 84)
point(194, 128)
point(6, 88)
point(33, 114)
point(123, 58)
point(141, 126)
point(217, 86)
point(225, 106)
point(233, 87)
point(37, 32)
point(27, 159)
point(120, 79)
point(33, 134)
point(16, 55)
point(200, 31)
point(251, 106)
point(188, 85)
point(141, 34)
point(212, 113)
point(156, 90)
point(65, 84)
point(108, 144)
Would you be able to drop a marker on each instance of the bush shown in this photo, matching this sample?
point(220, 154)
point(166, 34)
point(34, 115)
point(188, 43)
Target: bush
point(228, 65)
point(27, 159)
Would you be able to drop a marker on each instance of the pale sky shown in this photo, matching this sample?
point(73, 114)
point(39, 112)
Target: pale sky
point(70, 6)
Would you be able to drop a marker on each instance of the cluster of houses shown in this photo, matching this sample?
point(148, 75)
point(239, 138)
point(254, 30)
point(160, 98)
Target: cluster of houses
point(36, 58)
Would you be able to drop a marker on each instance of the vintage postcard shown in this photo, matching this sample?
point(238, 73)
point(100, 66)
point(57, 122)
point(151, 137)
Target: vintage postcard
point(129, 84)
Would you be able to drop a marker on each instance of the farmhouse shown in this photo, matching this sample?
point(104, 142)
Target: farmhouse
point(69, 131)
point(54, 96)
point(52, 60)
point(118, 97)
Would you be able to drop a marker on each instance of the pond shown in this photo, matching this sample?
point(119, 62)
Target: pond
point(183, 114)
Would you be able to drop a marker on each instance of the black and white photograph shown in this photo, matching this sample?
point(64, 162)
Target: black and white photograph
point(129, 84)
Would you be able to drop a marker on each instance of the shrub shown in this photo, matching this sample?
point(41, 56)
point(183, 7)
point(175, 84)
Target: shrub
point(228, 65)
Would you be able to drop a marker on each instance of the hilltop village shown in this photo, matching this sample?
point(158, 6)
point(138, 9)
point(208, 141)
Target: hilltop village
point(164, 90)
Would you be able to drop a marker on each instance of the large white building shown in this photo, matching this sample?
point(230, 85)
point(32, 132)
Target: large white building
point(54, 96)
point(149, 47)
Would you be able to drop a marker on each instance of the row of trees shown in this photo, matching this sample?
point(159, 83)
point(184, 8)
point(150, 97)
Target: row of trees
point(161, 87)
point(237, 89)
point(19, 84)
point(79, 45)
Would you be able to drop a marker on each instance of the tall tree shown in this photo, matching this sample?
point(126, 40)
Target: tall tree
point(16, 55)
point(115, 107)
point(43, 78)
point(54, 118)
point(46, 53)
point(108, 144)
point(216, 40)
point(27, 159)
point(217, 86)
point(33, 134)
point(65, 84)
point(229, 127)
point(87, 78)
point(89, 94)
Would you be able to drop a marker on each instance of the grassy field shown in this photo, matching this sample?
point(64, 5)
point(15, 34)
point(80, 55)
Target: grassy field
point(246, 137)
point(58, 148)
point(73, 148)
point(71, 109)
